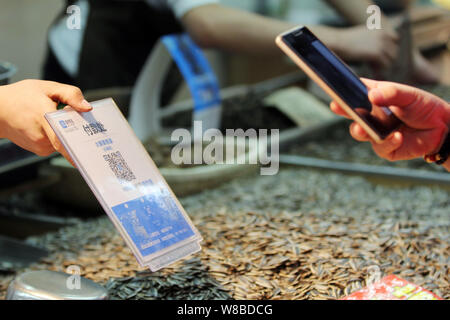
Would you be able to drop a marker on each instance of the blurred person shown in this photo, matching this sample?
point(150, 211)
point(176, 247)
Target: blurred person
point(22, 109)
point(355, 12)
point(425, 128)
point(116, 37)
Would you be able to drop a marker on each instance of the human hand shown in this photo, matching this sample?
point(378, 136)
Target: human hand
point(378, 47)
point(425, 117)
point(423, 72)
point(22, 108)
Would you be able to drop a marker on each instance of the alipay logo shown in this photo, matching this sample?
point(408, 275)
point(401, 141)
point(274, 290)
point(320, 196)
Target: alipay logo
point(63, 124)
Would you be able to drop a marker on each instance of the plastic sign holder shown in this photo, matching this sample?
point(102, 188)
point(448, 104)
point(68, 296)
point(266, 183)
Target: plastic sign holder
point(127, 183)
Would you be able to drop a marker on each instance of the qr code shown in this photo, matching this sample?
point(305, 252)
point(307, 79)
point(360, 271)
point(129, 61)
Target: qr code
point(119, 166)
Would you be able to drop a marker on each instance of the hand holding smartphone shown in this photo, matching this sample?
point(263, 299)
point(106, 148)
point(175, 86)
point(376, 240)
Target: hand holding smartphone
point(338, 81)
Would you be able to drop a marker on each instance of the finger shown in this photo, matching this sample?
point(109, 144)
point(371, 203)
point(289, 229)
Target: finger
point(338, 110)
point(393, 35)
point(69, 95)
point(358, 133)
point(68, 158)
point(393, 94)
point(377, 72)
point(391, 51)
point(370, 84)
point(389, 148)
point(416, 144)
point(56, 143)
point(384, 61)
point(379, 60)
point(43, 149)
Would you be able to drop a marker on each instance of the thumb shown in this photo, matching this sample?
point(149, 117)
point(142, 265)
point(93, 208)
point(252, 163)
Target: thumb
point(393, 94)
point(69, 95)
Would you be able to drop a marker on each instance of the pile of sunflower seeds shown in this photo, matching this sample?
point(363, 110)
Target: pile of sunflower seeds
point(298, 235)
point(241, 112)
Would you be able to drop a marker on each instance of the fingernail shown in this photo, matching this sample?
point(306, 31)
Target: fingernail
point(376, 95)
point(86, 104)
point(397, 138)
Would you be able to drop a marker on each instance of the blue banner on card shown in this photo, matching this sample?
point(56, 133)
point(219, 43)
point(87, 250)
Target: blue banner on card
point(153, 222)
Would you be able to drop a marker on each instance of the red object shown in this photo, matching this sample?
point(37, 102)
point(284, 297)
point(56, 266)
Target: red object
point(393, 288)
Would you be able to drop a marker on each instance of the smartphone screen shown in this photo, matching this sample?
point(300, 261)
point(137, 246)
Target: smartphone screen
point(341, 80)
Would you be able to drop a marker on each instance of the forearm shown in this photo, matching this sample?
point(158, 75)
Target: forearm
point(216, 26)
point(355, 12)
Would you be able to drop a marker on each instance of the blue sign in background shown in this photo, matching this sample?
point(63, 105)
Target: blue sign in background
point(153, 222)
point(195, 68)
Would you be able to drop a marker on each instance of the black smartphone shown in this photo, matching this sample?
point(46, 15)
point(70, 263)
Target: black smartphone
point(338, 81)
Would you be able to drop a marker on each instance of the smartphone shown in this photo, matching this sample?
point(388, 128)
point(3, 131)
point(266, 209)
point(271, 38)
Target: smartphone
point(338, 81)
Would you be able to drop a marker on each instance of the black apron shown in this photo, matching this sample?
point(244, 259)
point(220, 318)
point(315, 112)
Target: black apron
point(118, 39)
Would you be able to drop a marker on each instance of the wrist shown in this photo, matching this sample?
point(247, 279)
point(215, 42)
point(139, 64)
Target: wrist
point(337, 42)
point(442, 156)
point(447, 113)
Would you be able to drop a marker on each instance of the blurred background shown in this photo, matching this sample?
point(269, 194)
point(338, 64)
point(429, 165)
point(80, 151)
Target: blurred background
point(24, 25)
point(23, 33)
point(392, 214)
